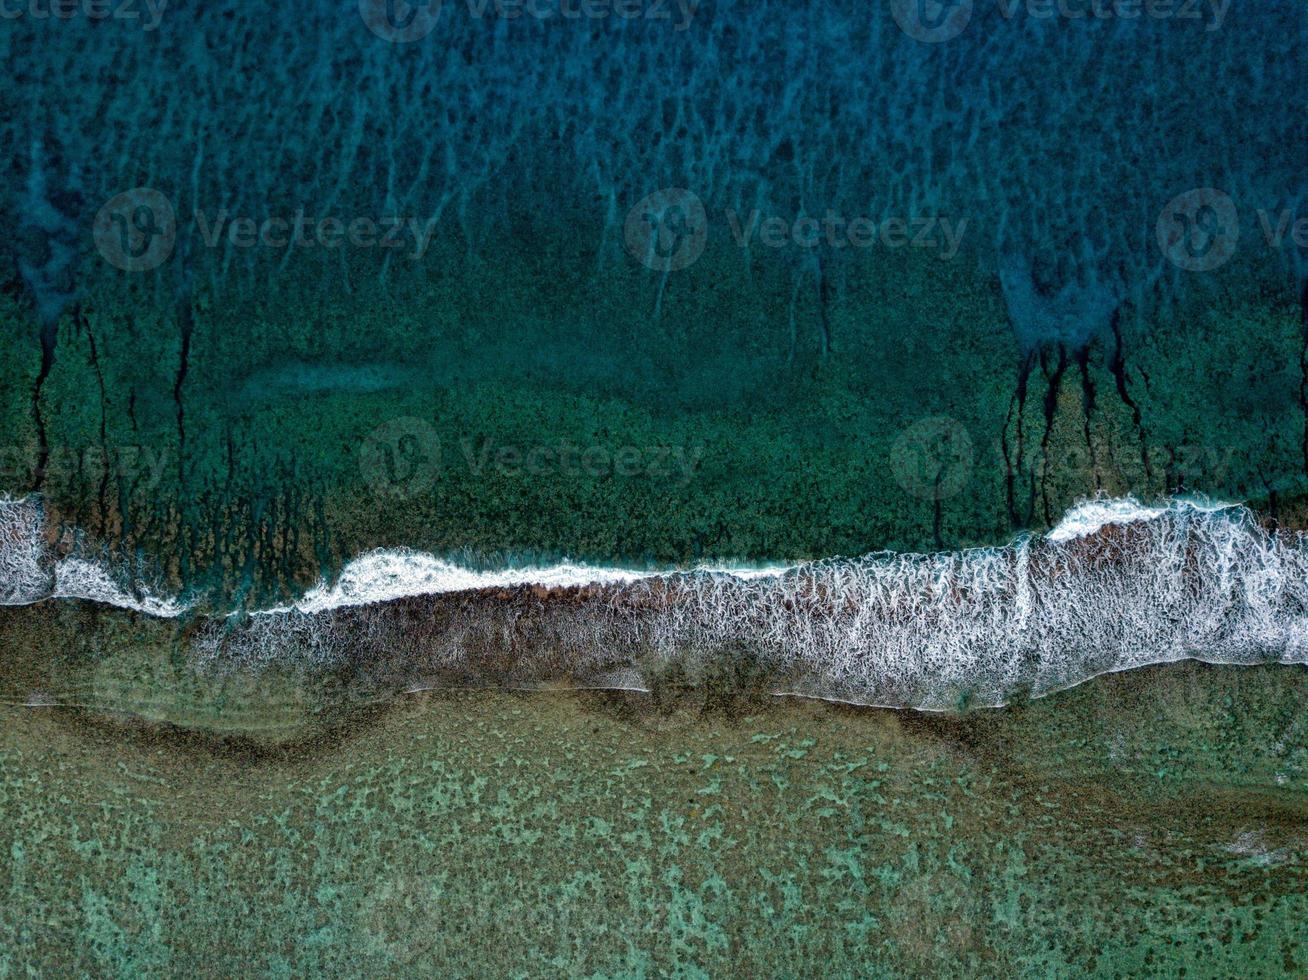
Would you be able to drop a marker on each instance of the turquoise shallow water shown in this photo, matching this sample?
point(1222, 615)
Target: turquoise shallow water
point(1141, 823)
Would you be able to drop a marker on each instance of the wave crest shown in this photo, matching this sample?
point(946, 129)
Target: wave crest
point(1116, 585)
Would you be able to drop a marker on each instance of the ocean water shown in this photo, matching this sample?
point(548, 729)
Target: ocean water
point(440, 438)
point(1115, 585)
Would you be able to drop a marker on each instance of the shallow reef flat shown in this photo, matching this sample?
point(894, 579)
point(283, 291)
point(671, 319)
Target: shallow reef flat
point(1143, 821)
point(807, 489)
point(529, 379)
point(508, 429)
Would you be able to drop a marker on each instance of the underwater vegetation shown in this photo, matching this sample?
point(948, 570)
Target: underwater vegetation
point(531, 487)
point(1145, 823)
point(832, 287)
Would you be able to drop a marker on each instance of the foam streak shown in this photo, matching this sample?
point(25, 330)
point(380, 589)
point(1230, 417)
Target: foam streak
point(1116, 585)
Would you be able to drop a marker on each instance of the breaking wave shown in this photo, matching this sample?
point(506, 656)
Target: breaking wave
point(1114, 586)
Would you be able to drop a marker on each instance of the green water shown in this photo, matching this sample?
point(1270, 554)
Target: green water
point(558, 364)
point(1145, 823)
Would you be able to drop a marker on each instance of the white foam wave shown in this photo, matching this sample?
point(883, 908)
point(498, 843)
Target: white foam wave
point(385, 575)
point(81, 578)
point(25, 569)
point(1184, 579)
point(1187, 580)
point(1091, 516)
point(30, 573)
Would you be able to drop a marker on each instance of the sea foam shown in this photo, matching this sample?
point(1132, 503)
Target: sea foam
point(384, 575)
point(26, 573)
point(1116, 584)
